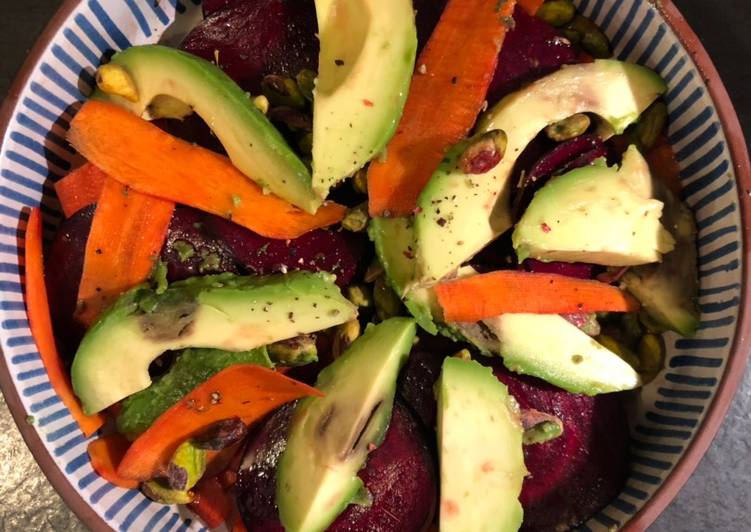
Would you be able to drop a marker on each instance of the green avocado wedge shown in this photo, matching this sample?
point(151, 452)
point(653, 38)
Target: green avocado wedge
point(330, 437)
point(474, 209)
point(228, 312)
point(169, 77)
point(480, 448)
point(596, 214)
point(365, 67)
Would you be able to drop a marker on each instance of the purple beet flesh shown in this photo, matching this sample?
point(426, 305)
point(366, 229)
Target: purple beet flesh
point(580, 270)
point(252, 39)
point(400, 475)
point(321, 250)
point(531, 49)
point(578, 473)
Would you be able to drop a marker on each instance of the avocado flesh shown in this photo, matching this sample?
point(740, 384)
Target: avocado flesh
point(330, 437)
point(550, 348)
point(229, 312)
point(668, 291)
point(253, 145)
point(475, 209)
point(480, 448)
point(595, 214)
point(191, 368)
point(366, 61)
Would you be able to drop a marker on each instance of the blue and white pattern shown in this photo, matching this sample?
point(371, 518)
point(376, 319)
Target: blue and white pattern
point(34, 154)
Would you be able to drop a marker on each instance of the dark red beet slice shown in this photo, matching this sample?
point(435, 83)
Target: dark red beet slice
point(64, 265)
point(191, 250)
point(420, 373)
point(321, 250)
point(580, 472)
point(256, 38)
point(192, 129)
point(580, 270)
point(532, 49)
point(400, 475)
point(210, 6)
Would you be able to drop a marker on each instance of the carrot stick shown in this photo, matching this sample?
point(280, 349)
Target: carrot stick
point(247, 391)
point(127, 233)
point(491, 294)
point(447, 92)
point(80, 188)
point(142, 156)
point(664, 166)
point(530, 6)
point(105, 454)
point(213, 504)
point(40, 323)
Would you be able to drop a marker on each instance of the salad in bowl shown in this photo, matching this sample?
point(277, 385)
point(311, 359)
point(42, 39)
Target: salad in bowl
point(345, 265)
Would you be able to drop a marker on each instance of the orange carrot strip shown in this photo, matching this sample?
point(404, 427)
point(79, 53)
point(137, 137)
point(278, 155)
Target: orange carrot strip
point(506, 291)
point(40, 323)
point(80, 188)
point(247, 391)
point(447, 93)
point(127, 233)
point(142, 156)
point(213, 504)
point(530, 6)
point(105, 454)
point(664, 166)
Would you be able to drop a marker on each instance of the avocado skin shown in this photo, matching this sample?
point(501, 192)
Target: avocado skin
point(191, 368)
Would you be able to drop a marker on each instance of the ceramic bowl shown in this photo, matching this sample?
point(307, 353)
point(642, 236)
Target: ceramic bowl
point(678, 414)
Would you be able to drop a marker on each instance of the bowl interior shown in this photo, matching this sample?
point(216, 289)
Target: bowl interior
point(670, 410)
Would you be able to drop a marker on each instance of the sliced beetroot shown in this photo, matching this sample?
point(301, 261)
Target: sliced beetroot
point(580, 472)
point(420, 373)
point(63, 268)
point(191, 250)
point(250, 39)
point(191, 129)
point(333, 251)
point(580, 270)
point(400, 476)
point(531, 49)
point(210, 6)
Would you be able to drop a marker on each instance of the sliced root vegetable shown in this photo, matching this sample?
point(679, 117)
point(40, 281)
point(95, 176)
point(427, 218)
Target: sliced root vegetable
point(37, 308)
point(105, 454)
point(147, 159)
point(127, 233)
point(447, 92)
point(80, 188)
point(530, 6)
point(246, 391)
point(506, 291)
point(212, 502)
point(664, 166)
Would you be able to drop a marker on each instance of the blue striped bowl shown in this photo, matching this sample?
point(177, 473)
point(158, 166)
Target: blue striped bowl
point(677, 414)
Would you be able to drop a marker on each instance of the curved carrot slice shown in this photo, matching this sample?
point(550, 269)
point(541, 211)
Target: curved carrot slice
point(105, 454)
point(246, 391)
point(40, 323)
point(127, 233)
point(142, 156)
point(491, 294)
point(80, 188)
point(447, 92)
point(530, 6)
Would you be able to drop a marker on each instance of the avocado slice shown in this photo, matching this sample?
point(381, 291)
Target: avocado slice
point(229, 312)
point(157, 75)
point(480, 446)
point(596, 214)
point(191, 368)
point(474, 209)
point(365, 67)
point(668, 291)
point(550, 348)
point(394, 241)
point(330, 437)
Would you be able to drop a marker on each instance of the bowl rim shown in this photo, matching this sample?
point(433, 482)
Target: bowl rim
point(734, 369)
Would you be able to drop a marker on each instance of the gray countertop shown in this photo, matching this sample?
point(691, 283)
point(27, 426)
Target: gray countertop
point(716, 497)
